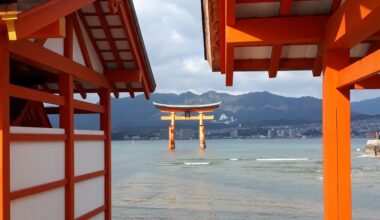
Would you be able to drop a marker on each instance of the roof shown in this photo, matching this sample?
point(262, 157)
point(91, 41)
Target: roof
point(106, 40)
point(269, 35)
point(187, 108)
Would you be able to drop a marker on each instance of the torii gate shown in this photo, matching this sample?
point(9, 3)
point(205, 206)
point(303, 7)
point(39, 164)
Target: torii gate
point(187, 109)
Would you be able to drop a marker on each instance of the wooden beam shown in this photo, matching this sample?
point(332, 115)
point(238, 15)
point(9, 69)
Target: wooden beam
point(183, 118)
point(230, 58)
point(352, 23)
point(230, 12)
point(275, 61)
point(130, 90)
point(89, 107)
point(318, 63)
point(53, 30)
point(44, 58)
point(4, 135)
point(264, 64)
point(360, 70)
point(265, 31)
point(35, 95)
point(372, 82)
point(34, 19)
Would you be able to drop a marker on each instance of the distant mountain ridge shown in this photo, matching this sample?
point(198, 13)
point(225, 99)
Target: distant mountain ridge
point(256, 108)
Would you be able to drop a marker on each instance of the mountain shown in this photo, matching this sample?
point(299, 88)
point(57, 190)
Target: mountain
point(369, 106)
point(256, 108)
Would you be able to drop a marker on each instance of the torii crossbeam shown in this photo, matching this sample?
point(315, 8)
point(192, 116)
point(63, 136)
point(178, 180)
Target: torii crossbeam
point(187, 109)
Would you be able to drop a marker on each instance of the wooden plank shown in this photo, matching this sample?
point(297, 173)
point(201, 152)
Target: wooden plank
point(89, 107)
point(37, 137)
point(88, 176)
point(37, 189)
point(35, 95)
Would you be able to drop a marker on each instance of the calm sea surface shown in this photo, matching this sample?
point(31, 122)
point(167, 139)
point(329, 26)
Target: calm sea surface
point(233, 179)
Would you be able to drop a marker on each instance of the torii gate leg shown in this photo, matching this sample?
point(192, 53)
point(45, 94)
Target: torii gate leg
point(172, 132)
point(202, 135)
point(336, 139)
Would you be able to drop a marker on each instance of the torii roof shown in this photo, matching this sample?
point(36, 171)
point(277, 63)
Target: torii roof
point(187, 108)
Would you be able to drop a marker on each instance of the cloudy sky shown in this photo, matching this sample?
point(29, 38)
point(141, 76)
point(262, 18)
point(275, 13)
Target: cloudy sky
point(172, 31)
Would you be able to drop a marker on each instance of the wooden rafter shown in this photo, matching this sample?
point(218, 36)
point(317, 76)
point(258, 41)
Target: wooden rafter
point(126, 18)
point(275, 61)
point(82, 43)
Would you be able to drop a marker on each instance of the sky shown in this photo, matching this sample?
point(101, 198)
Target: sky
point(172, 32)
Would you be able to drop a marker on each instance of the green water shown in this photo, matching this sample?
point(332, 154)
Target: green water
point(233, 179)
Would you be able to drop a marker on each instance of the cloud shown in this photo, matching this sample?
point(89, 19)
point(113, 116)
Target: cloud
point(172, 32)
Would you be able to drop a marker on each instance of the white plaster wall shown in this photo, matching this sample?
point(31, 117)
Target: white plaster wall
point(55, 45)
point(88, 156)
point(89, 195)
point(44, 206)
point(98, 217)
point(36, 163)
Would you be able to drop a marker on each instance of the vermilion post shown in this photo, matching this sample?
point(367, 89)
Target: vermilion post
point(336, 139)
point(66, 89)
point(4, 136)
point(66, 116)
point(105, 125)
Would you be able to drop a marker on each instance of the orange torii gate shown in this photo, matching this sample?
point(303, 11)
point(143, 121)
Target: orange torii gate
point(339, 38)
point(187, 109)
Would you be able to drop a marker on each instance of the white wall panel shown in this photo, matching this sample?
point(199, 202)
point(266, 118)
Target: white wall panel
point(44, 206)
point(30, 130)
point(99, 217)
point(55, 45)
point(89, 156)
point(89, 195)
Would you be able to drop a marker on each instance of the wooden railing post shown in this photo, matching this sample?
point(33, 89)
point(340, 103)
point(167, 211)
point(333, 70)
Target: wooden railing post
point(4, 136)
point(105, 125)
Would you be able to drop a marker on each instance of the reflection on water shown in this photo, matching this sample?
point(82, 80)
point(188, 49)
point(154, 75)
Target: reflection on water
point(249, 179)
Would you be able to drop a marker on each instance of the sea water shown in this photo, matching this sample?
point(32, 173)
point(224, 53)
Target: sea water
point(233, 179)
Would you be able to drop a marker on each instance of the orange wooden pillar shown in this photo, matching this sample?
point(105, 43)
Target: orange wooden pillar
point(105, 125)
point(172, 131)
point(202, 129)
point(336, 139)
point(4, 136)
